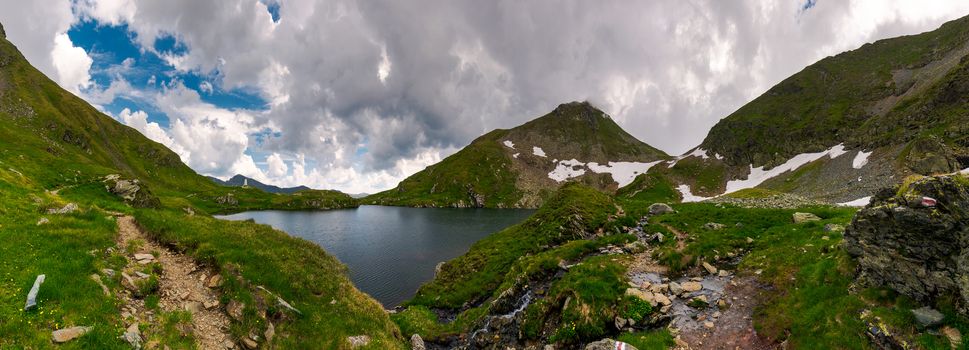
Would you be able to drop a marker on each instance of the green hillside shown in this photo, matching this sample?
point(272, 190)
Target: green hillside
point(56, 149)
point(890, 92)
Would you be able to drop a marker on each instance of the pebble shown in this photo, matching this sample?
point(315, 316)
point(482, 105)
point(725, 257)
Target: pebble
point(708, 324)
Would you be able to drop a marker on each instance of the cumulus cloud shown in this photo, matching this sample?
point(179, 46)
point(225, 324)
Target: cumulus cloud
point(72, 63)
point(364, 93)
point(276, 166)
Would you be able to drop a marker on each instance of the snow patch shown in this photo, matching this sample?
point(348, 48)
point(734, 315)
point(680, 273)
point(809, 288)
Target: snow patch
point(860, 202)
point(688, 196)
point(538, 151)
point(566, 169)
point(697, 152)
point(509, 144)
point(758, 175)
point(622, 172)
point(860, 160)
point(515, 155)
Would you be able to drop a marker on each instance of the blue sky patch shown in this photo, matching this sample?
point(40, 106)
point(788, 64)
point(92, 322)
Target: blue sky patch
point(116, 56)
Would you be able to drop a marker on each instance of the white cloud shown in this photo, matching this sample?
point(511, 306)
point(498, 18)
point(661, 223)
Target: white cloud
point(276, 166)
point(369, 94)
point(72, 63)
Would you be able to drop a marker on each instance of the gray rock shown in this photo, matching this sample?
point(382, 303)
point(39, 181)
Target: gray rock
point(437, 268)
point(67, 209)
point(805, 217)
point(713, 226)
point(68, 334)
point(132, 335)
point(658, 236)
point(42, 221)
point(660, 208)
point(608, 344)
point(833, 228)
point(918, 251)
point(416, 343)
point(928, 317)
point(32, 295)
point(676, 288)
point(712, 270)
point(357, 341)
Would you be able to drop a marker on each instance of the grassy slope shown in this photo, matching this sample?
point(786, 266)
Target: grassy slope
point(481, 167)
point(52, 140)
point(828, 102)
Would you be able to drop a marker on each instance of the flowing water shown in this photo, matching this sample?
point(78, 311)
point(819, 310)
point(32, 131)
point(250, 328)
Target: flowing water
point(390, 251)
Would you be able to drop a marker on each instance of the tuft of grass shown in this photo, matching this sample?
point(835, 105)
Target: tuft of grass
point(659, 339)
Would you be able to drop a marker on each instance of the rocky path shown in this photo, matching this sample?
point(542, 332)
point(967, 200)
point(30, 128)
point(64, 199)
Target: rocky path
point(726, 319)
point(734, 328)
point(183, 285)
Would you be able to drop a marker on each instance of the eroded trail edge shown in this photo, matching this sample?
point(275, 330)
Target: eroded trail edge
point(183, 285)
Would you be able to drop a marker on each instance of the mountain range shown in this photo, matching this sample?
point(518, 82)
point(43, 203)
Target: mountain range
point(836, 131)
point(240, 181)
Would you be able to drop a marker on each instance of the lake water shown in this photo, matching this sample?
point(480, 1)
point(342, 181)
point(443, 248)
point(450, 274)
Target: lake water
point(390, 251)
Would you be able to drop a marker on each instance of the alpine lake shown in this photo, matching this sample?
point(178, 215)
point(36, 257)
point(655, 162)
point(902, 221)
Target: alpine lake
point(390, 251)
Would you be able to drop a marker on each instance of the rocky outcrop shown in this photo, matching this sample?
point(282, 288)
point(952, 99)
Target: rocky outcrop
point(915, 239)
point(131, 191)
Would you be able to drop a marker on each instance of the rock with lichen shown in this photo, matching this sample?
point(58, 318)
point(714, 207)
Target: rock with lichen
point(915, 239)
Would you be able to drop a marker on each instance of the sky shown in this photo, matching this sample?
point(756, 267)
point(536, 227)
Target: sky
point(358, 95)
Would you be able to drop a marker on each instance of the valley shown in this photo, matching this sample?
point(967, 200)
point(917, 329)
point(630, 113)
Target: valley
point(831, 212)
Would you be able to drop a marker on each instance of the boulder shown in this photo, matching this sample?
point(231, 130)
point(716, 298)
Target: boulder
point(691, 286)
point(68, 334)
point(917, 250)
point(927, 317)
point(834, 228)
point(357, 341)
point(416, 343)
point(131, 191)
point(676, 288)
point(643, 295)
point(67, 209)
point(712, 270)
point(805, 217)
point(32, 294)
point(659, 209)
point(609, 344)
point(132, 335)
point(713, 226)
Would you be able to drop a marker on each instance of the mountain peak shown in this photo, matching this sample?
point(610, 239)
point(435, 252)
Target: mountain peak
point(579, 110)
point(3, 34)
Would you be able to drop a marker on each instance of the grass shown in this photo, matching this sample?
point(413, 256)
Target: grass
point(649, 340)
point(297, 270)
point(68, 297)
point(482, 167)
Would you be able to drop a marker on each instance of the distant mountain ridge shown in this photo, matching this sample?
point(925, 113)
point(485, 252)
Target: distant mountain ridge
point(520, 167)
point(240, 180)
